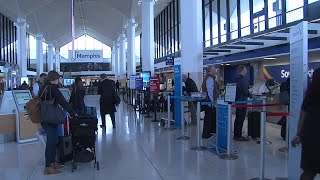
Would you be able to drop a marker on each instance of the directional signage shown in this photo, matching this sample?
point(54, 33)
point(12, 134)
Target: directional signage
point(169, 60)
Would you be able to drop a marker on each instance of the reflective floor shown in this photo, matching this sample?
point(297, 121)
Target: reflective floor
point(141, 150)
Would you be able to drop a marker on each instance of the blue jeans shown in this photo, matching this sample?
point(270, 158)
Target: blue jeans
point(51, 144)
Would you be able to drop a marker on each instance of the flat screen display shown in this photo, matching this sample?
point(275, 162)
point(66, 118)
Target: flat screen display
point(22, 97)
point(145, 75)
point(68, 82)
point(65, 94)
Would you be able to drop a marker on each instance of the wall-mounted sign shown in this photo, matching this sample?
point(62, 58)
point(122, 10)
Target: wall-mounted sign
point(231, 91)
point(139, 83)
point(154, 84)
point(169, 61)
point(86, 56)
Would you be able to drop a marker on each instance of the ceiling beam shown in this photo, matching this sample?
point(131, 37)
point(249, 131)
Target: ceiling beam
point(250, 43)
point(218, 50)
point(311, 32)
point(209, 53)
point(232, 47)
point(271, 38)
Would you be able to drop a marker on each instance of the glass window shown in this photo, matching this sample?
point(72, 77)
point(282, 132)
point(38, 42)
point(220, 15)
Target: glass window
point(312, 1)
point(233, 20)
point(275, 13)
point(207, 26)
point(214, 23)
point(223, 17)
point(294, 10)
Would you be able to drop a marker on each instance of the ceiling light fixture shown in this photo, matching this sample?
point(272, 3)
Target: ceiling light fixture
point(270, 58)
point(227, 64)
point(140, 1)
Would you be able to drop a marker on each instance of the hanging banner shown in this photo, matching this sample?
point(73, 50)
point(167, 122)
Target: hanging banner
point(154, 85)
point(177, 92)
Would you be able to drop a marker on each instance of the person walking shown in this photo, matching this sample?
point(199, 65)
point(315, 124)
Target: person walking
point(190, 86)
point(106, 90)
point(211, 88)
point(49, 91)
point(38, 85)
point(77, 96)
point(308, 130)
point(242, 94)
point(117, 86)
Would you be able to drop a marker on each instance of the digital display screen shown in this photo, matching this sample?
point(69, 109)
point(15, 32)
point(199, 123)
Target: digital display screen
point(22, 97)
point(146, 79)
point(68, 82)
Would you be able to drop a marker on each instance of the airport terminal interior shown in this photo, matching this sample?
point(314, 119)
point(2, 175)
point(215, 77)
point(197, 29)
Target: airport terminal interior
point(159, 89)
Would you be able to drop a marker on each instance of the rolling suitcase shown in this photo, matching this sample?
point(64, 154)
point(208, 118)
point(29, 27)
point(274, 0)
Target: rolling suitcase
point(254, 124)
point(64, 147)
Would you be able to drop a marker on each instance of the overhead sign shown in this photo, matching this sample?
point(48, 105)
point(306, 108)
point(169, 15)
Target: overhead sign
point(169, 60)
point(139, 83)
point(86, 56)
point(154, 84)
point(132, 82)
point(231, 91)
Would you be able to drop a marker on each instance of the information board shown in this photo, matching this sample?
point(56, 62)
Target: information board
point(154, 84)
point(177, 92)
point(169, 61)
point(231, 91)
point(139, 83)
point(132, 83)
point(145, 75)
point(222, 135)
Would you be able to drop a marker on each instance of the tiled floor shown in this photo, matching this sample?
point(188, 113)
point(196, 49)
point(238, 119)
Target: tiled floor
point(141, 150)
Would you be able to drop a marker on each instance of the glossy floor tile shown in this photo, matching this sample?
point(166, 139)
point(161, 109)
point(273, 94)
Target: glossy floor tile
point(139, 149)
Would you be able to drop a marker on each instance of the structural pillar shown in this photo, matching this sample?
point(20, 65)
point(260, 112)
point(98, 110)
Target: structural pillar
point(131, 59)
point(39, 53)
point(147, 36)
point(122, 57)
point(57, 60)
point(50, 57)
point(21, 46)
point(192, 39)
point(113, 59)
point(116, 60)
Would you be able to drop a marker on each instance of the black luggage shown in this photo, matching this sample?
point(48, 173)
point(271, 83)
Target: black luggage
point(90, 111)
point(65, 148)
point(254, 118)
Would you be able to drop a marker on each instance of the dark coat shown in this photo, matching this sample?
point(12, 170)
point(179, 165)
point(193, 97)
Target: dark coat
point(190, 86)
point(77, 98)
point(242, 89)
point(107, 90)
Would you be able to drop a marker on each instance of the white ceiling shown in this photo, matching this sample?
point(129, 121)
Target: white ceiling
point(101, 19)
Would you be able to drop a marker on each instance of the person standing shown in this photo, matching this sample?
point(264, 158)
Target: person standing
point(38, 85)
point(24, 86)
point(50, 91)
point(117, 86)
point(106, 90)
point(190, 86)
point(242, 95)
point(77, 96)
point(308, 130)
point(211, 88)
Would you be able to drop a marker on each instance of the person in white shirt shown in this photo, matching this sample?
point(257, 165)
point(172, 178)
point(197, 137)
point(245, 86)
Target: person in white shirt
point(38, 84)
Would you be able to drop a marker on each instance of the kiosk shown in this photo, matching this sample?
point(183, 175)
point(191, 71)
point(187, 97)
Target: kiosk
point(25, 129)
point(63, 129)
point(66, 93)
point(7, 118)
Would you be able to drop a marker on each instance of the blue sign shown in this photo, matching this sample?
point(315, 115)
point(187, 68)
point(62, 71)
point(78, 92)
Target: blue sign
point(281, 72)
point(177, 92)
point(139, 83)
point(145, 75)
point(170, 60)
point(222, 127)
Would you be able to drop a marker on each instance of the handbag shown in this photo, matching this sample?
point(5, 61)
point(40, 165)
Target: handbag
point(116, 99)
point(51, 113)
point(33, 108)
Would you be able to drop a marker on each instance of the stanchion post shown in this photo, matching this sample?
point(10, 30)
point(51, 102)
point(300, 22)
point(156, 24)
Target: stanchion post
point(169, 113)
point(183, 136)
point(199, 147)
point(263, 118)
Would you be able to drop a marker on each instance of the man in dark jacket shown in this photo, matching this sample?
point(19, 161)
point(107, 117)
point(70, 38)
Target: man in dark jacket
point(190, 86)
point(241, 95)
point(107, 101)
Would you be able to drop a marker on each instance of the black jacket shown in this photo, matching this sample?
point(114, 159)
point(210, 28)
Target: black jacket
point(52, 92)
point(190, 86)
point(107, 91)
point(77, 98)
point(242, 89)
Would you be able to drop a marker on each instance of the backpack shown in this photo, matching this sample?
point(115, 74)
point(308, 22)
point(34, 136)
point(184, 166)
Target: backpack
point(33, 108)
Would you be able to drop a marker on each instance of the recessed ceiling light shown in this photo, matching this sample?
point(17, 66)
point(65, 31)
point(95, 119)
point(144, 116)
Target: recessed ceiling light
point(270, 58)
point(227, 64)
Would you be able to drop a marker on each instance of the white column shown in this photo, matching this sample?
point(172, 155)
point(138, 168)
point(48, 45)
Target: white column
point(131, 59)
point(122, 57)
point(116, 59)
point(57, 60)
point(50, 57)
point(191, 39)
point(112, 59)
point(21, 46)
point(147, 36)
point(39, 55)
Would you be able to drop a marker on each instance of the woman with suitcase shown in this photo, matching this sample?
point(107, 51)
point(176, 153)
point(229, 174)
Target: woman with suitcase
point(309, 130)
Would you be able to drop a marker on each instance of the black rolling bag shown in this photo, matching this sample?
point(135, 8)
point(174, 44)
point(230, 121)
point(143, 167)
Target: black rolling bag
point(254, 118)
point(65, 149)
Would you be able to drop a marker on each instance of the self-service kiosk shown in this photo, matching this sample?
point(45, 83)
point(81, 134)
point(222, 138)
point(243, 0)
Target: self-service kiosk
point(66, 93)
point(63, 129)
point(25, 128)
